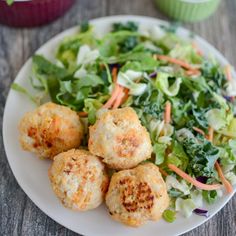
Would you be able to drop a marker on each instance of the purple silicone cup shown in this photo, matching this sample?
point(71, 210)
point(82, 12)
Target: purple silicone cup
point(33, 12)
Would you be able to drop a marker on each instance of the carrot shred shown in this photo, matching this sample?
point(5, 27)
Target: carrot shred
point(116, 90)
point(193, 181)
point(126, 95)
point(210, 134)
point(162, 172)
point(113, 97)
point(200, 131)
point(198, 50)
point(224, 181)
point(114, 74)
point(167, 115)
point(82, 114)
point(119, 98)
point(179, 62)
point(229, 78)
point(193, 72)
point(228, 72)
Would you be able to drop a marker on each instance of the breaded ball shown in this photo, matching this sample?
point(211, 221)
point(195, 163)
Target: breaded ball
point(50, 129)
point(137, 195)
point(78, 179)
point(120, 139)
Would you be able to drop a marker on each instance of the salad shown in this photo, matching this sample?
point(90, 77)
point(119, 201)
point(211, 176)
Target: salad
point(183, 98)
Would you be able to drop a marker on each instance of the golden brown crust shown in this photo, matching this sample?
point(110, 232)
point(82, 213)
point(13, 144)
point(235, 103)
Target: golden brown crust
point(127, 144)
point(120, 139)
point(79, 179)
point(137, 195)
point(49, 130)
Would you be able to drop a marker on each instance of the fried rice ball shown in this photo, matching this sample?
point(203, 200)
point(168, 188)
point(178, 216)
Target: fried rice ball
point(79, 179)
point(120, 139)
point(137, 195)
point(50, 129)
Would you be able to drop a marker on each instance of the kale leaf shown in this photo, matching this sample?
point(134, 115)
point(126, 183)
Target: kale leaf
point(202, 155)
point(129, 26)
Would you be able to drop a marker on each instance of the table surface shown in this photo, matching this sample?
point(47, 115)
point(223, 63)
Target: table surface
point(19, 216)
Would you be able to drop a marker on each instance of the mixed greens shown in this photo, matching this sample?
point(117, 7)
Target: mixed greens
point(185, 100)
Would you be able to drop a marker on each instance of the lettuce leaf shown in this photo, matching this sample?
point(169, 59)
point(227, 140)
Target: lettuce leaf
point(159, 151)
point(186, 53)
point(69, 47)
point(115, 43)
point(22, 90)
point(91, 106)
point(172, 182)
point(228, 155)
point(210, 196)
point(180, 111)
point(128, 79)
point(230, 129)
point(218, 118)
point(178, 156)
point(162, 83)
point(185, 206)
point(86, 55)
point(214, 75)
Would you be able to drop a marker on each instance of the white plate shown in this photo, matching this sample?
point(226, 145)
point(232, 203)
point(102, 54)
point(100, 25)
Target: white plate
point(31, 172)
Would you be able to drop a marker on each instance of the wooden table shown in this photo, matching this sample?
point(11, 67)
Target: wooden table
point(19, 216)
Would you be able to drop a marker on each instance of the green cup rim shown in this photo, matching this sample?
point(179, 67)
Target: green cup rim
point(197, 1)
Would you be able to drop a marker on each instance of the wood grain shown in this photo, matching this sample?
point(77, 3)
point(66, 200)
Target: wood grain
point(19, 216)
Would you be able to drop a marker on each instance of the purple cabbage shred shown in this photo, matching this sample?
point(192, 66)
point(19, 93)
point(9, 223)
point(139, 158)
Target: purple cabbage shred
point(228, 98)
point(153, 75)
point(201, 212)
point(202, 179)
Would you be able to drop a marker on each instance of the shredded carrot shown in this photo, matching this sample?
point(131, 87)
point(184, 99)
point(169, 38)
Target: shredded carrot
point(192, 180)
point(167, 115)
point(179, 62)
point(118, 100)
point(114, 74)
point(121, 98)
point(210, 134)
point(82, 114)
point(162, 172)
point(200, 131)
point(228, 72)
point(193, 72)
point(224, 181)
point(113, 97)
point(198, 50)
point(126, 95)
point(117, 90)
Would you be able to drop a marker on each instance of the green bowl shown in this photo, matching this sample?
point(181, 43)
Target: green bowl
point(188, 10)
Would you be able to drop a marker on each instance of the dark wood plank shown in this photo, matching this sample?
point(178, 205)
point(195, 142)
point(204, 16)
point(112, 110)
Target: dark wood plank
point(19, 216)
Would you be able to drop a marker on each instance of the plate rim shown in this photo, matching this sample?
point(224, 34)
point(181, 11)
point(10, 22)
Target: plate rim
point(139, 19)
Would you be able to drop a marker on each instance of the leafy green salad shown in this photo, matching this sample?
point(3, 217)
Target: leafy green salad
point(184, 99)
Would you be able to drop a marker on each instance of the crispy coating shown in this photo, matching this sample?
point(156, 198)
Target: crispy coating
point(50, 129)
point(79, 179)
point(120, 139)
point(137, 195)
